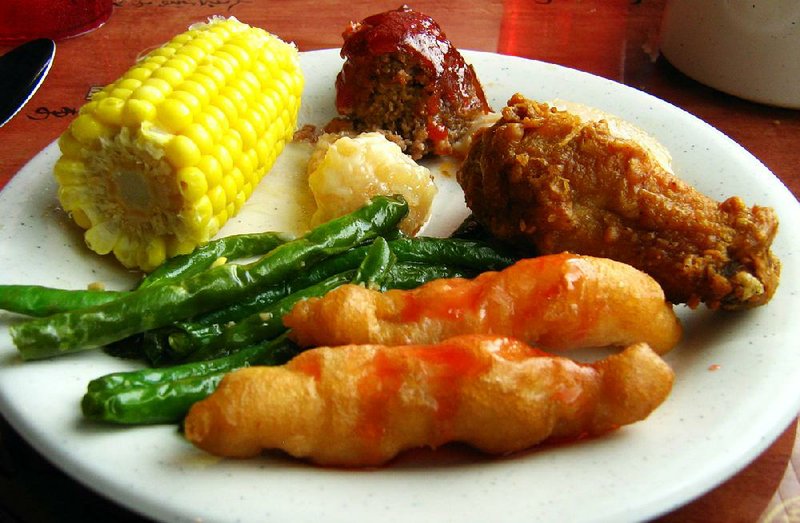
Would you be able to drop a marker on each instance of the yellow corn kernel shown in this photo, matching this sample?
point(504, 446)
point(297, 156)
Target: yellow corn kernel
point(182, 152)
point(91, 106)
point(194, 52)
point(81, 219)
point(137, 111)
point(217, 198)
point(184, 64)
point(166, 50)
point(213, 225)
point(230, 186)
point(156, 252)
point(215, 113)
point(158, 83)
point(238, 201)
point(128, 83)
point(138, 73)
point(224, 104)
point(212, 170)
point(154, 62)
point(174, 245)
point(236, 97)
point(247, 134)
point(192, 183)
point(174, 115)
point(212, 130)
point(200, 135)
point(122, 93)
point(244, 165)
point(212, 73)
point(169, 74)
point(196, 89)
point(224, 157)
point(109, 110)
point(160, 159)
point(148, 93)
point(206, 46)
point(69, 171)
point(69, 146)
point(201, 212)
point(88, 130)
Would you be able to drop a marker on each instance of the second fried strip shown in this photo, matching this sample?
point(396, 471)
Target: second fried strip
point(558, 302)
point(361, 405)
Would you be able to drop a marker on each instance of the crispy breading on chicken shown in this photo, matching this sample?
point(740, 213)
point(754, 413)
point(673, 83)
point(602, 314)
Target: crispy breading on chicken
point(549, 178)
point(557, 302)
point(361, 405)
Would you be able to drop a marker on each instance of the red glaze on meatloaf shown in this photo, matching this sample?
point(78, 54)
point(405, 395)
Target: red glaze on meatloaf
point(402, 75)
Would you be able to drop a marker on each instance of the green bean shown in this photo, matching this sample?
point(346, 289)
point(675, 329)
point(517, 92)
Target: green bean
point(337, 264)
point(36, 300)
point(374, 268)
point(470, 254)
point(153, 404)
point(471, 229)
point(165, 395)
point(152, 396)
point(251, 304)
point(155, 346)
point(117, 381)
point(412, 275)
point(160, 305)
point(203, 257)
point(197, 343)
point(217, 340)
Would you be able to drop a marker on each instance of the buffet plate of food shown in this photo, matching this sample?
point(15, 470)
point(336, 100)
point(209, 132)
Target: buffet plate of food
point(735, 372)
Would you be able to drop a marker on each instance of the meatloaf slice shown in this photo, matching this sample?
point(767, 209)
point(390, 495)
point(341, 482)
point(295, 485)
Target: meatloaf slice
point(402, 75)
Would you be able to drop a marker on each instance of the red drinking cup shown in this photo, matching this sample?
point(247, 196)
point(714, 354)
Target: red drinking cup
point(22, 20)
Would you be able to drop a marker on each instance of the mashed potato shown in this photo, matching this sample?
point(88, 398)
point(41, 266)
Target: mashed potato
point(344, 173)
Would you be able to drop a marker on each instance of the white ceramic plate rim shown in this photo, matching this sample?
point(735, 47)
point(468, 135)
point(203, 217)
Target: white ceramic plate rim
point(714, 423)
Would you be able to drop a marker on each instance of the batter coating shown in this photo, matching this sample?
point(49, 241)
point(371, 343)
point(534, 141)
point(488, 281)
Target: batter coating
point(361, 405)
point(557, 302)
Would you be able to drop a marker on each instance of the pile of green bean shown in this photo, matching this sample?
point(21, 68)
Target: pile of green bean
point(202, 315)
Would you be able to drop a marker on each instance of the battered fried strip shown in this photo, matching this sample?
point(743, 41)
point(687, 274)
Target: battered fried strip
point(557, 302)
point(361, 405)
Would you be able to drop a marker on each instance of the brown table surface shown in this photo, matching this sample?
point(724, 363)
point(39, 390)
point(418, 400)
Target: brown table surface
point(616, 39)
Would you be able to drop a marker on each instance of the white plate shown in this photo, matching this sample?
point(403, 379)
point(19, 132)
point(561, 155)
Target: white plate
point(713, 424)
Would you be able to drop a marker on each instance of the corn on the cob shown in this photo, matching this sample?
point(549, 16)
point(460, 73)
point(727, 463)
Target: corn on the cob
point(159, 160)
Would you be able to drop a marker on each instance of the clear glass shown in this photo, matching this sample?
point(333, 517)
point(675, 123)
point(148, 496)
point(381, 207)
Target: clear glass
point(22, 20)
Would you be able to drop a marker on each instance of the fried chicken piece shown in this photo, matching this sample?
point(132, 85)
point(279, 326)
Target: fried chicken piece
point(557, 302)
point(361, 405)
point(548, 178)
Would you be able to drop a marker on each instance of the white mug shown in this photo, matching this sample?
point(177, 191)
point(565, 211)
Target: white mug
point(747, 48)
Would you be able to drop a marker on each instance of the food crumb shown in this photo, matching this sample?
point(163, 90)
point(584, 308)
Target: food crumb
point(96, 286)
point(222, 260)
point(714, 367)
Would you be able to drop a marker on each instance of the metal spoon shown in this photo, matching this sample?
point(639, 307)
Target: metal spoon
point(22, 71)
